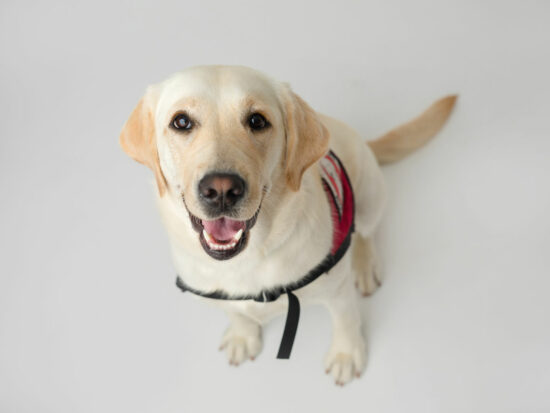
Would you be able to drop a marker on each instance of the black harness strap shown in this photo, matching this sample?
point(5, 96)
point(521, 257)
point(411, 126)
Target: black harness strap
point(291, 325)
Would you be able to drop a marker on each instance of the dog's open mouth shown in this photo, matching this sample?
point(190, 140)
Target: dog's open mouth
point(223, 238)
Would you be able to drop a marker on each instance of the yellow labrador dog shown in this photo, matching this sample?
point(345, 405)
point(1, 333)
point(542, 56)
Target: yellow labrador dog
point(260, 194)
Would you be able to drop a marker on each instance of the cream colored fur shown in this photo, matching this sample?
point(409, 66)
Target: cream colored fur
point(293, 231)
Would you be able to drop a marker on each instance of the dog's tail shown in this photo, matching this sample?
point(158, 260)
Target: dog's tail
point(401, 141)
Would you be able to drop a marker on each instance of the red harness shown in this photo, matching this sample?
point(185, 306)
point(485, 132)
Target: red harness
point(340, 194)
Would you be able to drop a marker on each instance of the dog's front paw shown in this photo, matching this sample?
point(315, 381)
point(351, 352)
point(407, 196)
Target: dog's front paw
point(346, 362)
point(241, 344)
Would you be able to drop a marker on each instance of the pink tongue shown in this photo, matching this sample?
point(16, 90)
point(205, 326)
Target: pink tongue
point(223, 229)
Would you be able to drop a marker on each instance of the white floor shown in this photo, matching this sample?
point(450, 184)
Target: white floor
point(90, 319)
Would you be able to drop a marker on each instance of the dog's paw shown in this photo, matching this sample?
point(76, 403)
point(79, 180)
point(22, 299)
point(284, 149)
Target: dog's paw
point(346, 364)
point(367, 280)
point(241, 344)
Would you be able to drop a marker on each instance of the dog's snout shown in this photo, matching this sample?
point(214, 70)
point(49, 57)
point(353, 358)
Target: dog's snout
point(220, 191)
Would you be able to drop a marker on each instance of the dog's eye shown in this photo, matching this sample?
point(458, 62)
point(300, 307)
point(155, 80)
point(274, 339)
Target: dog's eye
point(257, 122)
point(182, 122)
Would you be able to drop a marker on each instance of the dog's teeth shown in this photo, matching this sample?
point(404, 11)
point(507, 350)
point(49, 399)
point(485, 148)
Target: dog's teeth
point(238, 235)
point(207, 236)
point(214, 245)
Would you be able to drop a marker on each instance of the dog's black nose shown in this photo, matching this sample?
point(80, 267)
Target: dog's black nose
point(221, 191)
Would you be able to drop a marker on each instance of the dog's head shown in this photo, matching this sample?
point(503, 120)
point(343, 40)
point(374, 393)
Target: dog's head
point(218, 139)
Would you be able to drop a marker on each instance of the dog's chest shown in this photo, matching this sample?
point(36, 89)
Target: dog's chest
point(317, 292)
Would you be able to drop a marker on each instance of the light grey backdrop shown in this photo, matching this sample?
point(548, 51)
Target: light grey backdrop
point(90, 320)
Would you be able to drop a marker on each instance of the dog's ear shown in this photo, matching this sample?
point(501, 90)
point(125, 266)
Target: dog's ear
point(306, 138)
point(138, 139)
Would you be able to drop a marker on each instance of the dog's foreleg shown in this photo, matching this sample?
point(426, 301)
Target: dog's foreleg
point(242, 339)
point(346, 358)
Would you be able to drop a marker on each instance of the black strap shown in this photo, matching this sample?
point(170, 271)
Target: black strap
point(291, 326)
